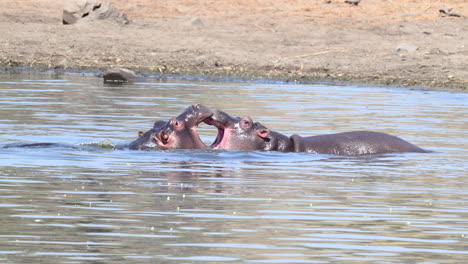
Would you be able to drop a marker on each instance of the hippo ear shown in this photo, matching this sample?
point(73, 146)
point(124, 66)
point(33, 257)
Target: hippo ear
point(262, 132)
point(140, 133)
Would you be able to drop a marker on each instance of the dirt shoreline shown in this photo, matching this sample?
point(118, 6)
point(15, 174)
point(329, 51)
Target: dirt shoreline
point(389, 43)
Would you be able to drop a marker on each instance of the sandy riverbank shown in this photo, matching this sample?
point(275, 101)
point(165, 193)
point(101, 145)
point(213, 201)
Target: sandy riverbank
point(398, 42)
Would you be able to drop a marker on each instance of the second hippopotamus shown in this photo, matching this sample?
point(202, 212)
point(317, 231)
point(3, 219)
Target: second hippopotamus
point(244, 134)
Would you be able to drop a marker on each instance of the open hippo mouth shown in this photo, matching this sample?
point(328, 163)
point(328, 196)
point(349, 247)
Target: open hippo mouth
point(236, 132)
point(225, 125)
point(221, 127)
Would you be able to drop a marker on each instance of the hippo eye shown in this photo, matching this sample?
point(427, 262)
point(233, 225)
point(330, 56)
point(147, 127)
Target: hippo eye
point(245, 123)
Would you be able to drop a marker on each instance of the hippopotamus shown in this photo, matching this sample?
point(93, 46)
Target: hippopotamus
point(244, 134)
point(177, 133)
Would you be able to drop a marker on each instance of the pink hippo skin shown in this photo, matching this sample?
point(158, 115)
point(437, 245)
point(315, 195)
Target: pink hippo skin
point(181, 132)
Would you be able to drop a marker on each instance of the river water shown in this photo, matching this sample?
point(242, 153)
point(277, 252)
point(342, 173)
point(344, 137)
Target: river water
point(98, 205)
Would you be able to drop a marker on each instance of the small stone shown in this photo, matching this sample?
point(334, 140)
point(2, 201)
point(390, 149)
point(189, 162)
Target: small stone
point(119, 75)
point(353, 2)
point(196, 21)
point(406, 47)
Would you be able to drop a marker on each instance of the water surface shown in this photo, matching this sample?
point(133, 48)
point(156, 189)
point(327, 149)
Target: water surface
point(98, 205)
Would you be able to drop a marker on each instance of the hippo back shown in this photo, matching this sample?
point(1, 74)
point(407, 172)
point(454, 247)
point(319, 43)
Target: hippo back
point(353, 143)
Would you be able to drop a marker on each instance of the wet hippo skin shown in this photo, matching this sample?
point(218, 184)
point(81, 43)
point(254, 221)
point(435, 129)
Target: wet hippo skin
point(148, 139)
point(244, 134)
point(177, 133)
point(181, 132)
point(353, 143)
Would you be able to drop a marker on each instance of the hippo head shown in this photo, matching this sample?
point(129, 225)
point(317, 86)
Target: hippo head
point(237, 133)
point(180, 132)
point(147, 140)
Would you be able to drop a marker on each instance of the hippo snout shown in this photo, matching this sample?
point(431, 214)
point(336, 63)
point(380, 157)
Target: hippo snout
point(220, 118)
point(202, 110)
point(195, 114)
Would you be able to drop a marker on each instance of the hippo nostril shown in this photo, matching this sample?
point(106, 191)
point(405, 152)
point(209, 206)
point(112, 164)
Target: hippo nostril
point(164, 137)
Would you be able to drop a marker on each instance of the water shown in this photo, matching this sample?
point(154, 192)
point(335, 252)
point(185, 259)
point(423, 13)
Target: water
point(66, 205)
